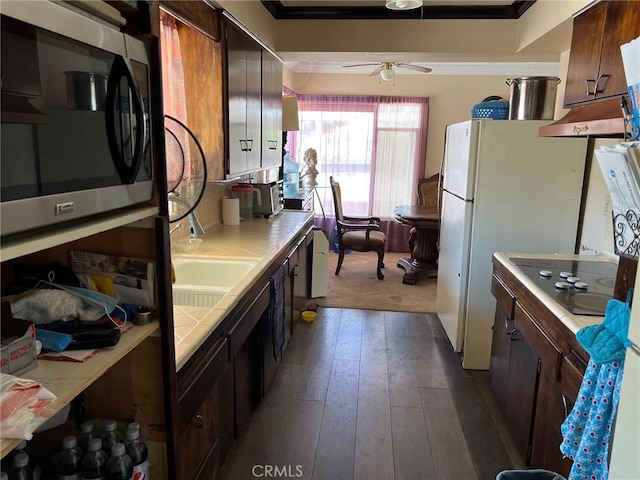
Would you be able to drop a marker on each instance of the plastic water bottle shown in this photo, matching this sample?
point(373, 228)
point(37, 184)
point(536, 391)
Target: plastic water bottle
point(94, 463)
point(85, 434)
point(111, 435)
point(137, 450)
point(134, 425)
point(68, 460)
point(291, 177)
point(119, 465)
point(22, 448)
point(20, 468)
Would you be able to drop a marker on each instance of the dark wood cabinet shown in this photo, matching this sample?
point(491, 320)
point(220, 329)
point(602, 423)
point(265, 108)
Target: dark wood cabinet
point(271, 111)
point(555, 398)
point(521, 382)
point(595, 69)
point(199, 413)
point(298, 271)
point(535, 372)
point(245, 354)
point(224, 380)
point(244, 90)
point(514, 367)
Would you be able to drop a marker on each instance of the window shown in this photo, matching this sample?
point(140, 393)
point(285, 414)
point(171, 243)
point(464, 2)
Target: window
point(374, 146)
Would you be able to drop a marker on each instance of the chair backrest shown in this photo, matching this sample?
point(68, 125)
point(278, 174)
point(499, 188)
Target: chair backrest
point(337, 199)
point(430, 191)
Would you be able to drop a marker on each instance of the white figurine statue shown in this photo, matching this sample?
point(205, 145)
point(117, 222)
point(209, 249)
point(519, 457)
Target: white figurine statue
point(310, 173)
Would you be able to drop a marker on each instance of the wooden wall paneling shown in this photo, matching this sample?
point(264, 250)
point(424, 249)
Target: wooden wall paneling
point(131, 391)
point(111, 396)
point(202, 59)
point(197, 13)
point(626, 276)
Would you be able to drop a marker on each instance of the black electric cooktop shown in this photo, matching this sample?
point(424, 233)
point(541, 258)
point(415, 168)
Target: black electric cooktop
point(582, 287)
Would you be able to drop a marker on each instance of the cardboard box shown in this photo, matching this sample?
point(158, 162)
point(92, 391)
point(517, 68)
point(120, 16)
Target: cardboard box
point(19, 356)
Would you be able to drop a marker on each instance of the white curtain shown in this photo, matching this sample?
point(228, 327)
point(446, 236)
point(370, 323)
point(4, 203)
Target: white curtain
point(375, 147)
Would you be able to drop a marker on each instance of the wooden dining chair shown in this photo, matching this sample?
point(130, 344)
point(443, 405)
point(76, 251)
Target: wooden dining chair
point(429, 193)
point(359, 233)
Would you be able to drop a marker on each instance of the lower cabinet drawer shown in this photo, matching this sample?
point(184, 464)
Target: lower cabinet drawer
point(197, 437)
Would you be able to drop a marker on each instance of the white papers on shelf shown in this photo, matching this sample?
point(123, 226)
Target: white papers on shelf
point(620, 167)
point(133, 279)
point(621, 171)
point(631, 61)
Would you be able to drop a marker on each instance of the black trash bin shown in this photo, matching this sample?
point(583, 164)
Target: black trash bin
point(534, 474)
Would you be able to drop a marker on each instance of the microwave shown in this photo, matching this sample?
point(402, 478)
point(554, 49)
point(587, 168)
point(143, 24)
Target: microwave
point(75, 118)
point(269, 201)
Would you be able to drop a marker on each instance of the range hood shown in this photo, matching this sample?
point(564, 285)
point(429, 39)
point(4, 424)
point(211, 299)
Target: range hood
point(601, 119)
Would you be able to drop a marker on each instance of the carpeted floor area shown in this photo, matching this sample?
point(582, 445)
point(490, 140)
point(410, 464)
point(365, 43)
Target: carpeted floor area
point(358, 287)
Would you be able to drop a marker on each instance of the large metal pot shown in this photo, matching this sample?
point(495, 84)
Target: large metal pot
point(532, 98)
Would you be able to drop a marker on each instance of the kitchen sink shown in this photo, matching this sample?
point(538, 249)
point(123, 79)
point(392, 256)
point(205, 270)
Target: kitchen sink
point(203, 282)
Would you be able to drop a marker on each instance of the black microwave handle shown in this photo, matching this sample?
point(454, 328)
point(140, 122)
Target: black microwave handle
point(122, 68)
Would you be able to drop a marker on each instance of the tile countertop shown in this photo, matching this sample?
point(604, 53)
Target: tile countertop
point(259, 239)
point(573, 322)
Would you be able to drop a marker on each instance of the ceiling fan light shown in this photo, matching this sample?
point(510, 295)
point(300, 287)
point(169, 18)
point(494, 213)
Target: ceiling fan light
point(403, 4)
point(387, 74)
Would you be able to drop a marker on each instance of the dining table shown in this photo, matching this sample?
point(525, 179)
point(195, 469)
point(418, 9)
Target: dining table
point(423, 260)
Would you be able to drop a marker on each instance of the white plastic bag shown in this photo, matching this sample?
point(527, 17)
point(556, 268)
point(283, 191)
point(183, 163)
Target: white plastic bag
point(24, 404)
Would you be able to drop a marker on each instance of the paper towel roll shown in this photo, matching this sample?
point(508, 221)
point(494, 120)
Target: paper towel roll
point(231, 211)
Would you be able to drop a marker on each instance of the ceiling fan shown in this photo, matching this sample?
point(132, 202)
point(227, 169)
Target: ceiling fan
point(386, 69)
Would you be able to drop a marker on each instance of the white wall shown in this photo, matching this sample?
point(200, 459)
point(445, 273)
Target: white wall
point(450, 97)
point(597, 226)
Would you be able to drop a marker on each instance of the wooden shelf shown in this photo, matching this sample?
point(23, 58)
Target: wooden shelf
point(17, 246)
point(600, 119)
point(66, 380)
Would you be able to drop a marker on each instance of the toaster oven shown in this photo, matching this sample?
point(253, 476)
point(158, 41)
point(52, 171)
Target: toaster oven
point(270, 201)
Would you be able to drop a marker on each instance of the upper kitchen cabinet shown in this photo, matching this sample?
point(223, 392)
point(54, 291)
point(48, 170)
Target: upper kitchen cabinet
point(271, 111)
point(244, 88)
point(595, 69)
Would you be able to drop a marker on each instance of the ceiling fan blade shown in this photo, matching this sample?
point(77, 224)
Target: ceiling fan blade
point(376, 71)
point(417, 68)
point(361, 65)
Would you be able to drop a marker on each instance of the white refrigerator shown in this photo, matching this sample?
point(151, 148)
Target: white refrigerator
point(504, 189)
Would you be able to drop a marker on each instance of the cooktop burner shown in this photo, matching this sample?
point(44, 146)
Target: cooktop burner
point(580, 286)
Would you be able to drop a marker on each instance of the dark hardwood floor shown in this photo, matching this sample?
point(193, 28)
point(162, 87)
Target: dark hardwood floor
point(371, 395)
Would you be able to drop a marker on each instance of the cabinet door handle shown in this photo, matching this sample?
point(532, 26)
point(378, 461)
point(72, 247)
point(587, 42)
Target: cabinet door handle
point(198, 421)
point(514, 334)
point(244, 146)
point(604, 76)
point(249, 144)
point(588, 82)
point(564, 406)
point(506, 326)
point(273, 144)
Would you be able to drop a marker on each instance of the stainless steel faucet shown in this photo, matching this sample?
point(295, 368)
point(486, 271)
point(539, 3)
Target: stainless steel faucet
point(177, 226)
point(194, 224)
